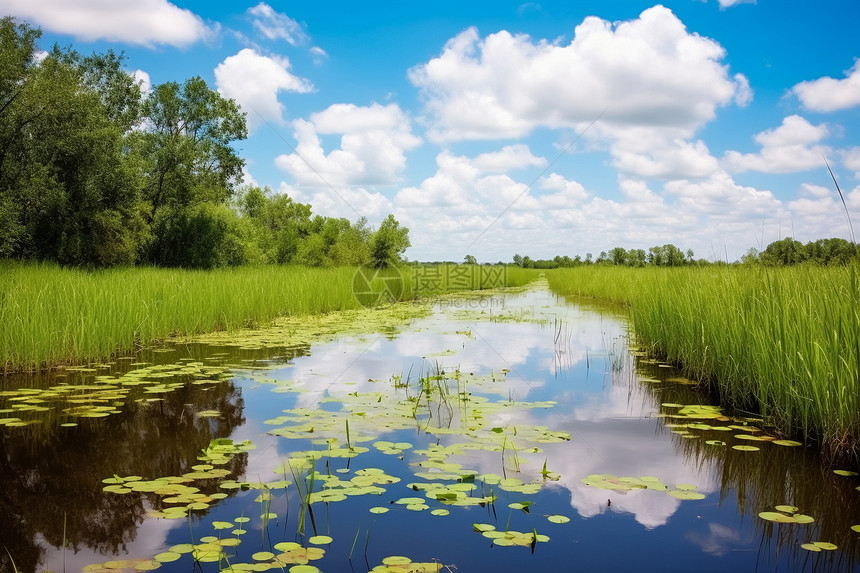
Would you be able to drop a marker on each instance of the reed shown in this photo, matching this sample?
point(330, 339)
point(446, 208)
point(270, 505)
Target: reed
point(52, 315)
point(782, 341)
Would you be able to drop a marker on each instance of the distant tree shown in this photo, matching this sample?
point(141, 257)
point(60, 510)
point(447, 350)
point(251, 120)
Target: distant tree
point(618, 256)
point(518, 260)
point(751, 257)
point(786, 251)
point(636, 258)
point(470, 260)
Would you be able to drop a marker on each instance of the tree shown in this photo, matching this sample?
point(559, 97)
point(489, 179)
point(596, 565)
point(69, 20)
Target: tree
point(389, 242)
point(470, 260)
point(786, 251)
point(518, 260)
point(67, 191)
point(186, 160)
point(185, 149)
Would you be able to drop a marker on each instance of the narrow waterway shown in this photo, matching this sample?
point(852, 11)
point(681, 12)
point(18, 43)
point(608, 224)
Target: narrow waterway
point(510, 432)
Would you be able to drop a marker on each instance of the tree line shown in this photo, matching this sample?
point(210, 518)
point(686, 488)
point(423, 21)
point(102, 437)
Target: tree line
point(785, 252)
point(95, 173)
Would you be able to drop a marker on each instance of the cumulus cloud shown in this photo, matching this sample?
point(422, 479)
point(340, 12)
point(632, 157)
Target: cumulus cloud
point(829, 94)
point(275, 25)
point(373, 145)
point(645, 72)
point(791, 147)
point(667, 160)
point(140, 22)
point(141, 78)
point(349, 202)
point(254, 80)
point(851, 160)
point(720, 197)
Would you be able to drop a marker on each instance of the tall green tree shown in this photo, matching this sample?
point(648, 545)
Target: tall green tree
point(389, 242)
point(67, 192)
point(186, 159)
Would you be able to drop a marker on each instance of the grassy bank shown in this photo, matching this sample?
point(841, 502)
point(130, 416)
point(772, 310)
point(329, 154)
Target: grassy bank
point(51, 315)
point(785, 341)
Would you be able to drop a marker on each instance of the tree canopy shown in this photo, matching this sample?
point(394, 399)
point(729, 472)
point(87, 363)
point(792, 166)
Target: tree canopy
point(95, 173)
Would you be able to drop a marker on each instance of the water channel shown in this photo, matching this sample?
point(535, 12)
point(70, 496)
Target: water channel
point(509, 432)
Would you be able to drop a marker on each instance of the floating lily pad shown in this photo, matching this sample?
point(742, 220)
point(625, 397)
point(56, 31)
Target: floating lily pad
point(744, 448)
point(320, 540)
point(787, 508)
point(167, 557)
point(819, 545)
point(855, 528)
point(681, 494)
point(790, 443)
point(558, 518)
point(777, 517)
point(378, 510)
point(262, 556)
point(844, 472)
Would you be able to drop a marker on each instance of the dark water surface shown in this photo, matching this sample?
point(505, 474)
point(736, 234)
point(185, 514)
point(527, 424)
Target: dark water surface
point(468, 410)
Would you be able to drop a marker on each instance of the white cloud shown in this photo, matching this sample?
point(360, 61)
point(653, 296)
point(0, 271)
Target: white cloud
point(672, 159)
point(829, 94)
point(644, 72)
point(141, 78)
point(141, 22)
point(851, 160)
point(351, 202)
point(373, 144)
point(730, 3)
point(254, 81)
point(276, 25)
point(318, 54)
point(789, 148)
point(508, 158)
point(721, 198)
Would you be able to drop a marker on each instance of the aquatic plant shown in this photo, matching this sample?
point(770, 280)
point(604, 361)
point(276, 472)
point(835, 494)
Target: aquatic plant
point(53, 315)
point(779, 341)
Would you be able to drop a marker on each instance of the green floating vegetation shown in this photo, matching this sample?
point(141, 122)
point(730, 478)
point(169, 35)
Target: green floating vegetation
point(509, 537)
point(786, 514)
point(625, 484)
point(847, 473)
point(818, 546)
point(401, 564)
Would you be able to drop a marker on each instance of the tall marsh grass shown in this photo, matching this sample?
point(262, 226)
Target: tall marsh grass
point(785, 341)
point(51, 315)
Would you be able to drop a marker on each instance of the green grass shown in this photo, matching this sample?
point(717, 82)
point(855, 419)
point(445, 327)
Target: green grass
point(51, 315)
point(785, 341)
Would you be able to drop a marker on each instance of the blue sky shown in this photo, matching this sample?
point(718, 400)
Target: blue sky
point(538, 128)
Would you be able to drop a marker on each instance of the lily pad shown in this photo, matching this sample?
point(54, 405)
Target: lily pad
point(844, 473)
point(777, 517)
point(320, 540)
point(744, 448)
point(558, 518)
point(167, 557)
point(790, 443)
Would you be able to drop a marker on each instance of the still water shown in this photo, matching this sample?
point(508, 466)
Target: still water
point(514, 432)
